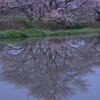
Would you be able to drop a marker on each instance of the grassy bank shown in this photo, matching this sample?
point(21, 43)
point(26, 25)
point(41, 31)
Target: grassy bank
point(8, 23)
point(39, 33)
point(20, 27)
point(37, 24)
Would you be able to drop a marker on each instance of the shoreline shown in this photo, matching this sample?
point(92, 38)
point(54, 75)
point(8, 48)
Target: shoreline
point(26, 33)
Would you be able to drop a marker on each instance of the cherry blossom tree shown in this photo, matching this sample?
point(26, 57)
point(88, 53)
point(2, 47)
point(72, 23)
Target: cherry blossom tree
point(49, 9)
point(25, 5)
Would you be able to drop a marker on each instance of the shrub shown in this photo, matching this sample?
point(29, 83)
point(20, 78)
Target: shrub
point(79, 26)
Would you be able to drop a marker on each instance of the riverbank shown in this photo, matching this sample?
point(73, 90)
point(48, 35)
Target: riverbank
point(21, 28)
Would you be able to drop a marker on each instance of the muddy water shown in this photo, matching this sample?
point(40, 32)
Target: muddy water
point(54, 69)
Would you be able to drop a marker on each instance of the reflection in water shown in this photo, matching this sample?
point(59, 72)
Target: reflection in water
point(50, 70)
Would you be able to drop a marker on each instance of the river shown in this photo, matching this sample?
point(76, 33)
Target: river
point(51, 69)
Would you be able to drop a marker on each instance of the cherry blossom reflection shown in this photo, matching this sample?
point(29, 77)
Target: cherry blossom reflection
point(50, 70)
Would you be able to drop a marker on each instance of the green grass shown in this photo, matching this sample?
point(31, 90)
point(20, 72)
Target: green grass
point(20, 20)
point(40, 33)
point(39, 24)
point(37, 28)
point(13, 17)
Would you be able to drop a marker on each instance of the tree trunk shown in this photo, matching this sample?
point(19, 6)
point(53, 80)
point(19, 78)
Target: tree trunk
point(30, 18)
point(97, 11)
point(98, 16)
point(30, 15)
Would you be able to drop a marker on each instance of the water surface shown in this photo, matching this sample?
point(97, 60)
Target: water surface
point(54, 69)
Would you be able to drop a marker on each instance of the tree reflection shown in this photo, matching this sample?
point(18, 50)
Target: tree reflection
point(50, 70)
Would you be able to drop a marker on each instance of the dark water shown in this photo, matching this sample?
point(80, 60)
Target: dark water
point(55, 69)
